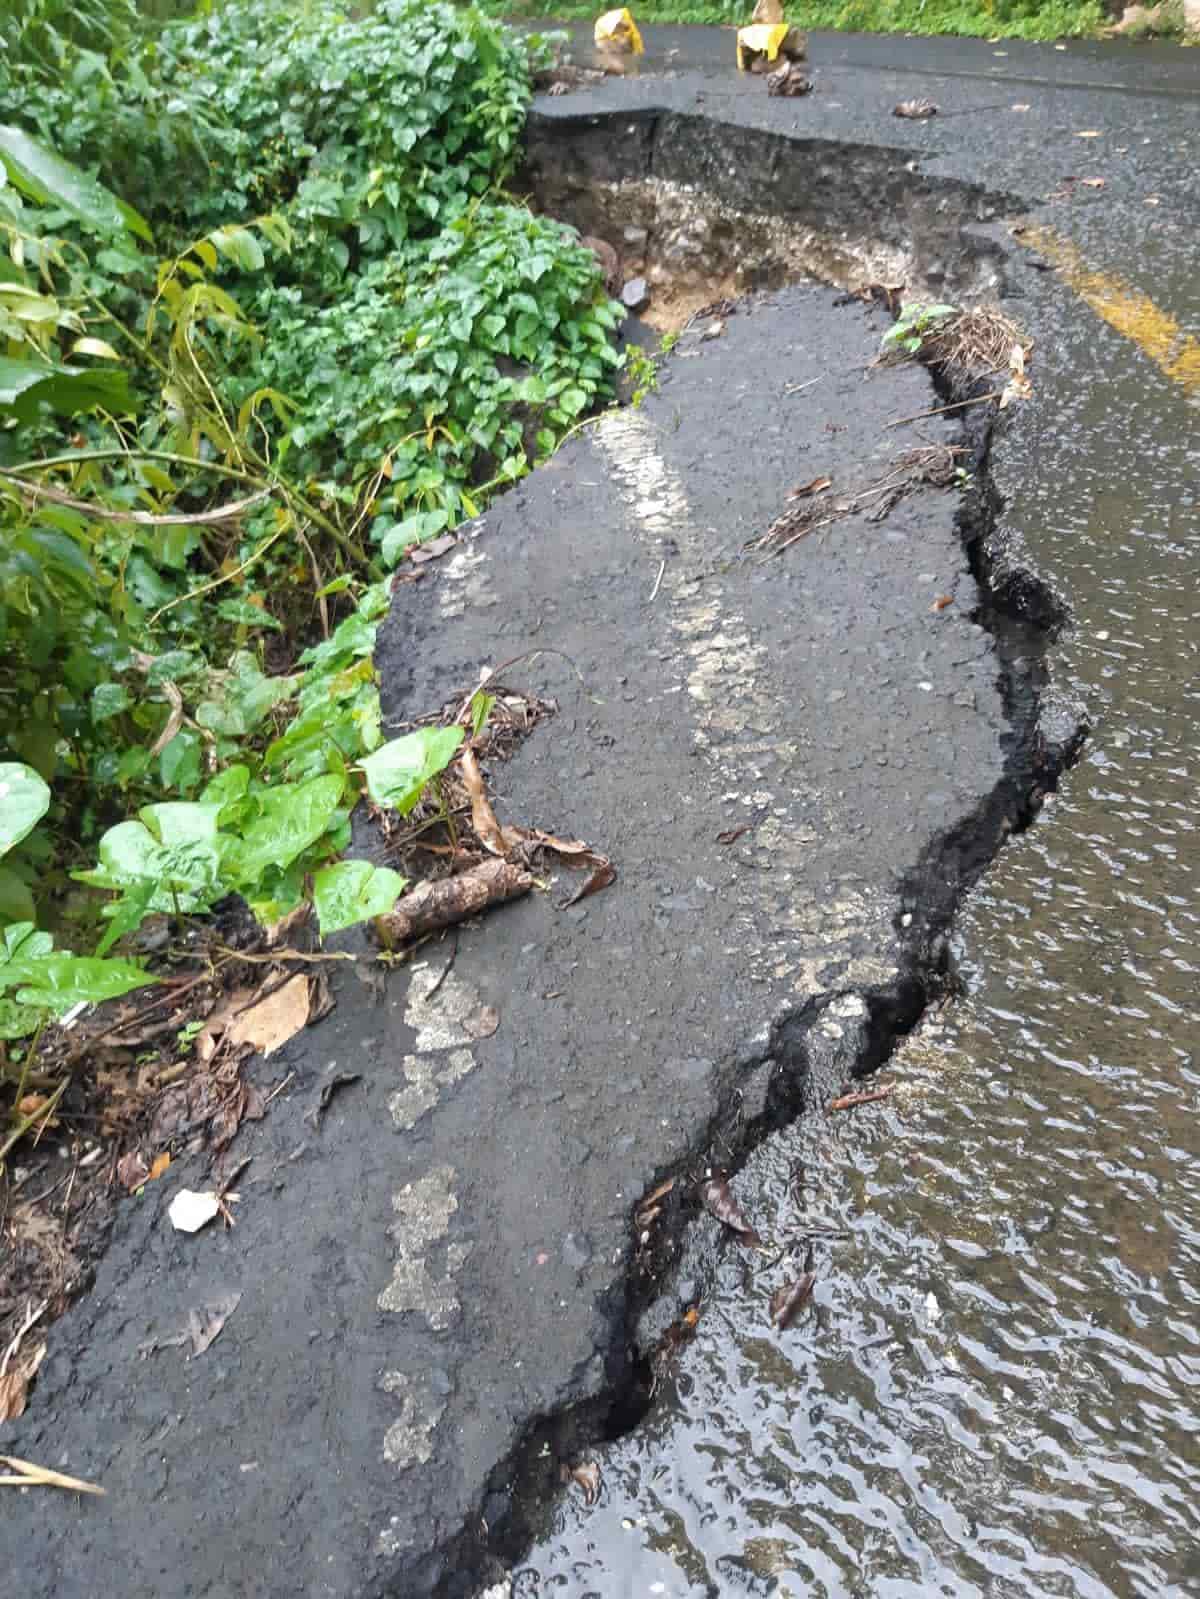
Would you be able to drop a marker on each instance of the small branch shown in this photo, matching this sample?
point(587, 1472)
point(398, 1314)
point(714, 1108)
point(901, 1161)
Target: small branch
point(865, 1096)
point(939, 409)
point(657, 584)
point(221, 513)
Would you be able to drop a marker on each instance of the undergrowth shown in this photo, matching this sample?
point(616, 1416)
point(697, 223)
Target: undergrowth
point(269, 320)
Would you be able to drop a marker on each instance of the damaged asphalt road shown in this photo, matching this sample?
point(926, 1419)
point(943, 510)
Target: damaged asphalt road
point(447, 1256)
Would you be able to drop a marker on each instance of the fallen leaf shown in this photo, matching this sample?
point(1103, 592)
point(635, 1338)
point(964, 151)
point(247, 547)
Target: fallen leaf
point(588, 1478)
point(787, 1302)
point(658, 1193)
point(218, 1020)
point(206, 1321)
point(818, 485)
point(420, 553)
point(602, 875)
point(132, 1170)
point(14, 1383)
point(719, 1202)
point(941, 602)
point(158, 1165)
point(732, 834)
point(500, 840)
point(272, 1020)
point(915, 110)
point(483, 1023)
point(690, 1317)
point(1092, 183)
point(1088, 133)
point(189, 1211)
point(329, 1088)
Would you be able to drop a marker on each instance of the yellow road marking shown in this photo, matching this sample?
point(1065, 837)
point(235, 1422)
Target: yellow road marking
point(1131, 313)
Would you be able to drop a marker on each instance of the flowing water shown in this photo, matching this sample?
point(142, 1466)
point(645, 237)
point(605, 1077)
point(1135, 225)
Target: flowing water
point(997, 1389)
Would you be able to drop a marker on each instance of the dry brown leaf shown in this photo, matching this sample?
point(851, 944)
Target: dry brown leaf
point(329, 1088)
point(602, 874)
point(941, 602)
point(218, 1021)
point(787, 1302)
point(588, 1478)
point(732, 834)
point(420, 553)
point(14, 1383)
point(158, 1165)
point(818, 485)
point(499, 840)
point(132, 1170)
point(483, 1023)
point(206, 1321)
point(32, 1105)
point(271, 1021)
point(719, 1202)
point(282, 931)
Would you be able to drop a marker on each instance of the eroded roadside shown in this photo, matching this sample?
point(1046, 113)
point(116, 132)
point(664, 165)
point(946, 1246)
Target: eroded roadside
point(798, 765)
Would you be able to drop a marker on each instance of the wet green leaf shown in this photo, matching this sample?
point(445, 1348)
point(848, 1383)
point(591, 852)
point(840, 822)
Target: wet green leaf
point(398, 771)
point(49, 180)
point(354, 891)
point(24, 800)
point(291, 817)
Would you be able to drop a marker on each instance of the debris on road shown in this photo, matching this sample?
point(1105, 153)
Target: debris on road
point(862, 1096)
point(206, 1321)
point(434, 905)
point(329, 1088)
point(915, 110)
point(789, 82)
point(719, 1202)
point(26, 1475)
point(787, 1302)
point(190, 1211)
point(268, 1022)
point(588, 1478)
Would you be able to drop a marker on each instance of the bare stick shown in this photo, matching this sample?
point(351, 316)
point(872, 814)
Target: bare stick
point(938, 409)
point(657, 583)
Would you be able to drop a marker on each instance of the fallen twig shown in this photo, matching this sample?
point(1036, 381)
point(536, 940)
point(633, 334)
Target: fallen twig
point(939, 409)
point(657, 583)
point(27, 1475)
point(865, 1096)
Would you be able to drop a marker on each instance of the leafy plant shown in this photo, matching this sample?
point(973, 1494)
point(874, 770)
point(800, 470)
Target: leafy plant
point(914, 323)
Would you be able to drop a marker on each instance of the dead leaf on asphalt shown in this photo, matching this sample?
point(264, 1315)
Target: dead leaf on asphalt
point(941, 602)
point(499, 840)
point(268, 1023)
point(601, 876)
point(206, 1321)
point(732, 834)
point(329, 1088)
point(818, 485)
point(787, 1302)
point(420, 553)
point(483, 1023)
point(158, 1165)
point(588, 1478)
point(719, 1202)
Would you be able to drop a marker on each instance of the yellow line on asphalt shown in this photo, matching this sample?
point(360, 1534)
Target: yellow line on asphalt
point(1131, 313)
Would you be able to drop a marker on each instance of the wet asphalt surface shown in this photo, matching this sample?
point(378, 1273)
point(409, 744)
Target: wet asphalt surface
point(997, 1390)
point(995, 1393)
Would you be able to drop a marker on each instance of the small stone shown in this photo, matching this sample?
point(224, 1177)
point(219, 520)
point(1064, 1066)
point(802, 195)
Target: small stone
point(635, 294)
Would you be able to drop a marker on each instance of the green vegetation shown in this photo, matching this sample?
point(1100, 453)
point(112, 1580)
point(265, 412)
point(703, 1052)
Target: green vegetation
point(1026, 19)
point(269, 320)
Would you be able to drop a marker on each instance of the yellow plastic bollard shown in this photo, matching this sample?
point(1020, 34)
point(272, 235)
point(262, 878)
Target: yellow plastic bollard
point(616, 30)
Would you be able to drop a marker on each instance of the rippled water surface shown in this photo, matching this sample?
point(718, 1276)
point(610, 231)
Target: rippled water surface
point(998, 1389)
